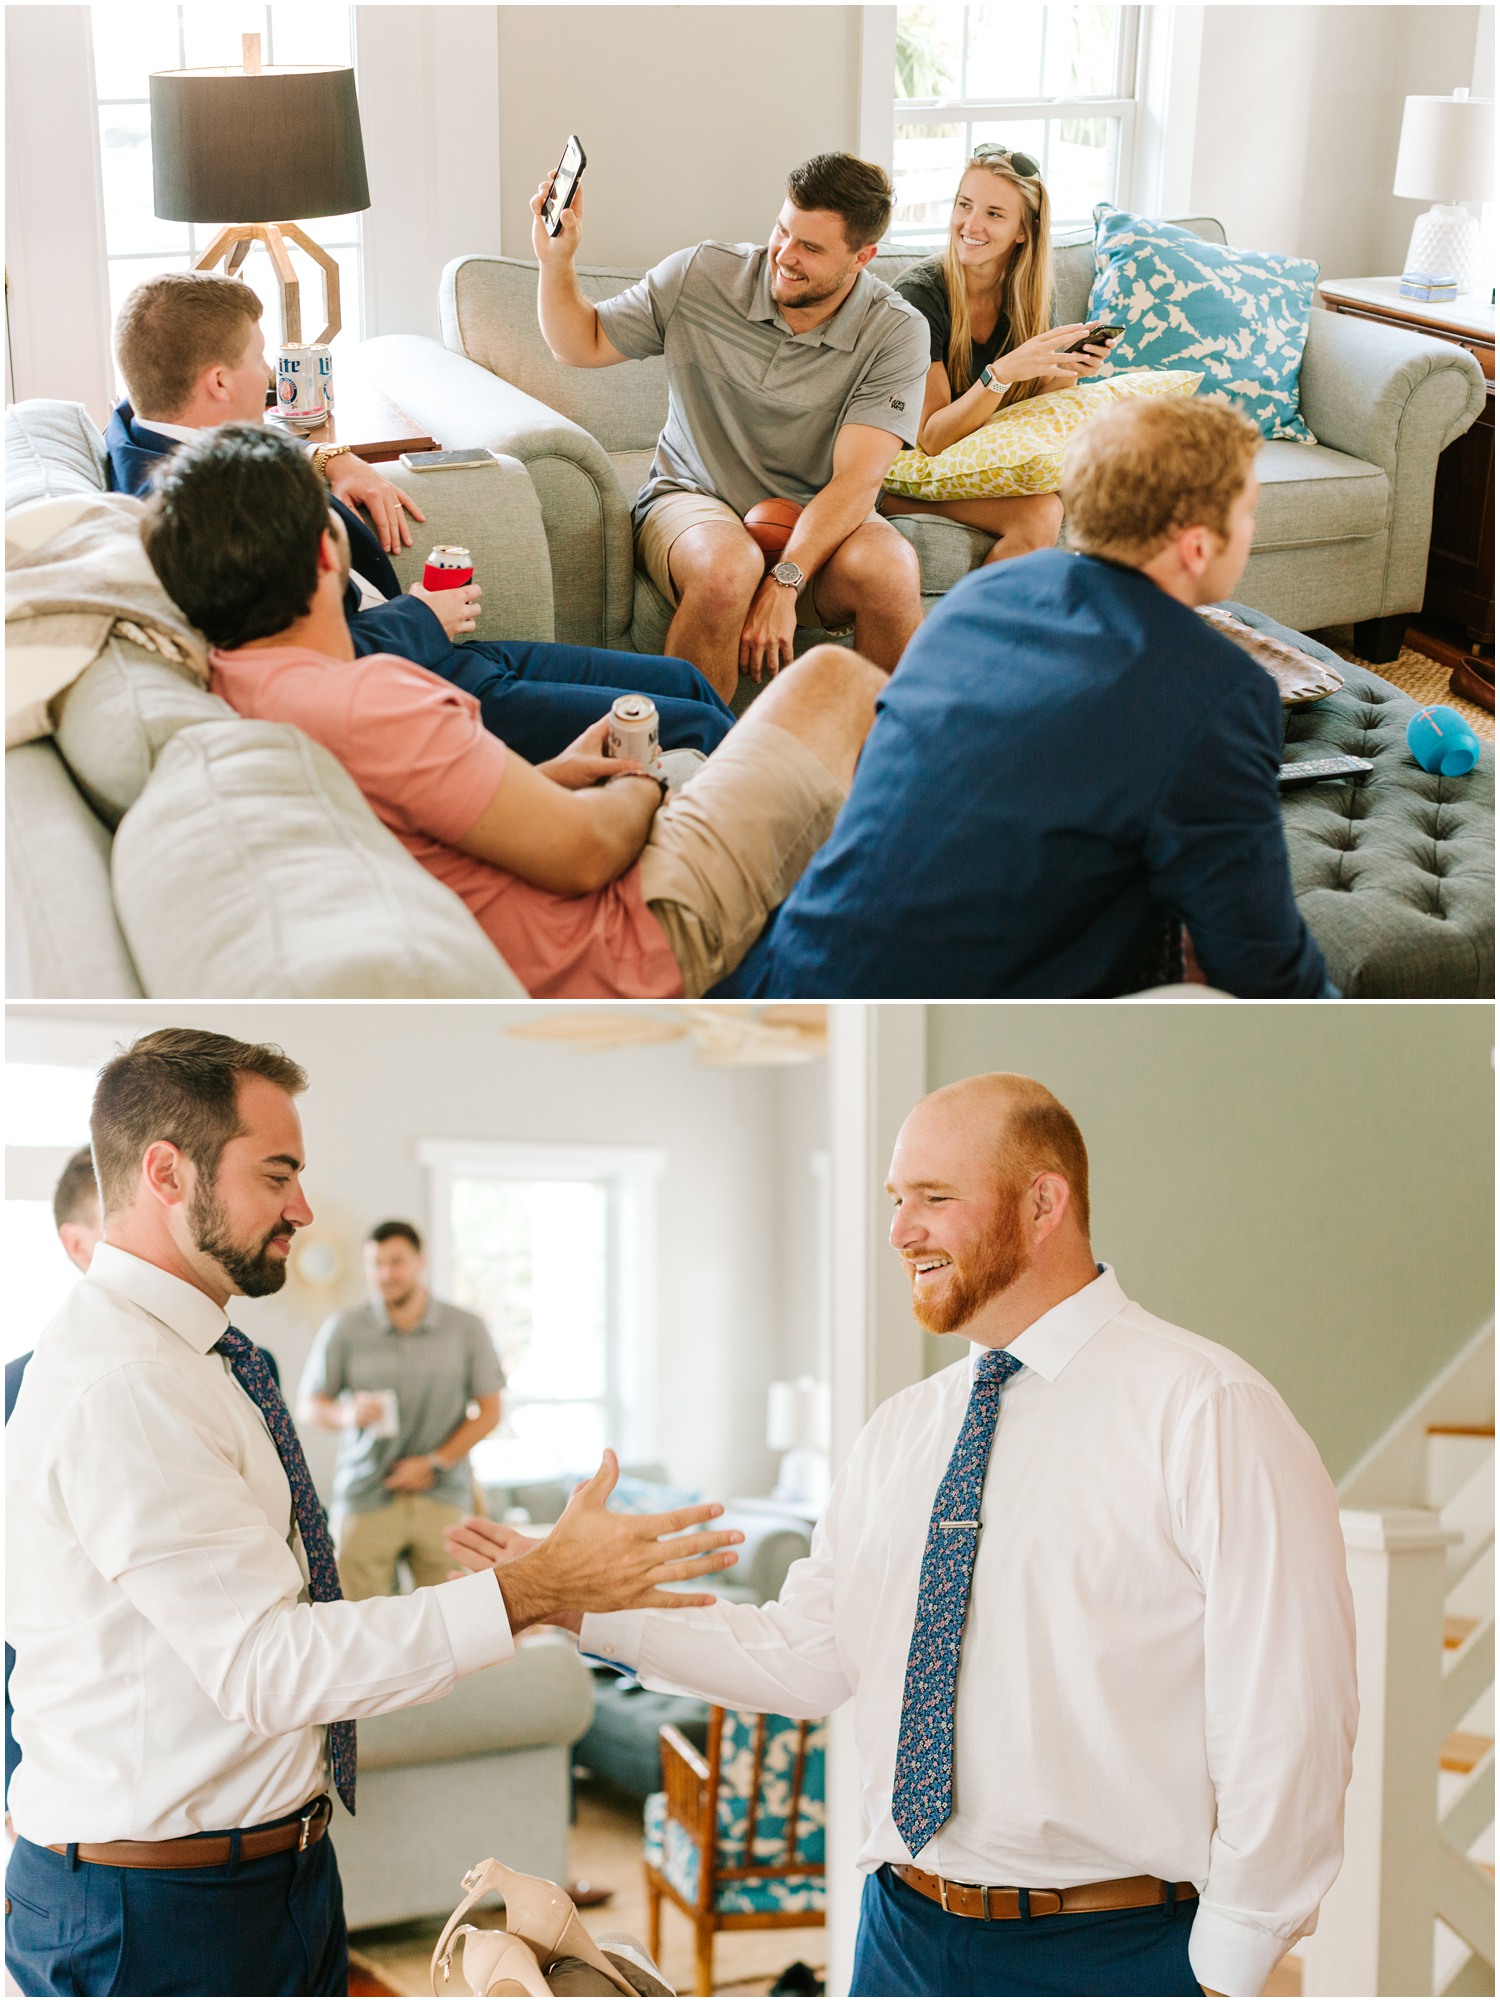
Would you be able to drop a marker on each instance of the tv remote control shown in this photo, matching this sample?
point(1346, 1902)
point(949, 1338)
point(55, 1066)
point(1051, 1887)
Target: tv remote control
point(1307, 771)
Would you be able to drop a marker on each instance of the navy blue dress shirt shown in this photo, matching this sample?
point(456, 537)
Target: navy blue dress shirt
point(1065, 759)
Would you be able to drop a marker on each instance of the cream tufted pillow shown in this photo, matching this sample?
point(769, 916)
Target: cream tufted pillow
point(1020, 450)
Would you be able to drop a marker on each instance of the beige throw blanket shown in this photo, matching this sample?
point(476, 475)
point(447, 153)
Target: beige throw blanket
point(76, 572)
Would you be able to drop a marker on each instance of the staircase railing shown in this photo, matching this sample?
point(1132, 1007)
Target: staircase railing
point(1419, 1527)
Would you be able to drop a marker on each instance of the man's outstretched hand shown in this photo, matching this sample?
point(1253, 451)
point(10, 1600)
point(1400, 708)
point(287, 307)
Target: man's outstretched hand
point(359, 485)
point(595, 1561)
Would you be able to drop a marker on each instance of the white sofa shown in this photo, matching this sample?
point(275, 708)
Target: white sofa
point(158, 844)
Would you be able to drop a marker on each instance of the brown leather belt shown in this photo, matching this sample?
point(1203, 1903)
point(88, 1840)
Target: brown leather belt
point(1005, 1901)
point(205, 1852)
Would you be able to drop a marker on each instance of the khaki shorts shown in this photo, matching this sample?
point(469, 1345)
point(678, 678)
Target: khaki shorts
point(672, 515)
point(728, 848)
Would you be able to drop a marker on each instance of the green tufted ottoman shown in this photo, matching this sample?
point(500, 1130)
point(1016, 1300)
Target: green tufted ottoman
point(1396, 877)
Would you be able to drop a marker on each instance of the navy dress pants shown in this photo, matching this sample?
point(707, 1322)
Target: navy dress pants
point(538, 696)
point(271, 1927)
point(907, 1945)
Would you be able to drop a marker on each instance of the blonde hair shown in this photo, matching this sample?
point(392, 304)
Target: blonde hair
point(1143, 470)
point(1024, 294)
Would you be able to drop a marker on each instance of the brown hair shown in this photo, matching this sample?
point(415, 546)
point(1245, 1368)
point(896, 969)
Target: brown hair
point(1041, 1137)
point(76, 1192)
point(172, 328)
point(856, 190)
point(1143, 470)
point(178, 1085)
point(395, 1227)
point(1025, 288)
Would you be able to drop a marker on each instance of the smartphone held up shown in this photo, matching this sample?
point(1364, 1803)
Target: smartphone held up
point(564, 184)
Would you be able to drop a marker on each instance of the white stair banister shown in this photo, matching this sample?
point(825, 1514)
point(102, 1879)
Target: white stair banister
point(1374, 1934)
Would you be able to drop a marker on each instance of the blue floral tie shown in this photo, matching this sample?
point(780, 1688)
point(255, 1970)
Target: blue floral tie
point(255, 1379)
point(922, 1797)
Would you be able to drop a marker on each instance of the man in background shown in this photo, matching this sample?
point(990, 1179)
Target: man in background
point(193, 354)
point(409, 1383)
point(75, 1214)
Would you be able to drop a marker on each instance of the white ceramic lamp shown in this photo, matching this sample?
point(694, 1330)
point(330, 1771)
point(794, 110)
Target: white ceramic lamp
point(797, 1427)
point(1447, 156)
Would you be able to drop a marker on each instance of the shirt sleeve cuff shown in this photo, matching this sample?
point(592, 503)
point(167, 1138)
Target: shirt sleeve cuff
point(614, 1637)
point(474, 1613)
point(1230, 1955)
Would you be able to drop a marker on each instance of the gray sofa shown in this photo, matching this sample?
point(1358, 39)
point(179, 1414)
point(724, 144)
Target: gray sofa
point(483, 1771)
point(1343, 525)
point(158, 844)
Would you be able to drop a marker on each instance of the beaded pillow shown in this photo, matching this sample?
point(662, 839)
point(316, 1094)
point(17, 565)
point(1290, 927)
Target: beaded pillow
point(1240, 316)
point(1020, 450)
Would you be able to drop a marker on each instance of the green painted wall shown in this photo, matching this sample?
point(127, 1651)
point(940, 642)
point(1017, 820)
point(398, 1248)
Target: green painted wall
point(1311, 1185)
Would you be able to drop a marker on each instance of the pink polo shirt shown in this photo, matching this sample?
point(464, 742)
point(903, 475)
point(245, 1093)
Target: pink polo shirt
point(418, 751)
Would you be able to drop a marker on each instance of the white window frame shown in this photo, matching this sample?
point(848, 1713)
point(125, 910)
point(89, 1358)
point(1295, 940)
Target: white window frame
point(1123, 103)
point(631, 1175)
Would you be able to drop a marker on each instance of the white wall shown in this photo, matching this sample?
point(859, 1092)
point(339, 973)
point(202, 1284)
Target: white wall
point(690, 116)
point(385, 1076)
point(1298, 120)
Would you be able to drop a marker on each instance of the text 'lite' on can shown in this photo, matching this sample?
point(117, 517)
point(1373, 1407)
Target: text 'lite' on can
point(633, 731)
point(447, 567)
point(301, 386)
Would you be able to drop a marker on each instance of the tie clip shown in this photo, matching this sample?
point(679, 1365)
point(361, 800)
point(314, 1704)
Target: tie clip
point(958, 1525)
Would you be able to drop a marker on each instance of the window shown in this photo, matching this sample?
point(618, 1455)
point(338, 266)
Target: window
point(1058, 82)
point(553, 1247)
point(130, 42)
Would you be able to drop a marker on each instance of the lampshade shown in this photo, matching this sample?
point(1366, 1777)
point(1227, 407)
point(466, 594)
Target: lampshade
point(1447, 149)
point(226, 147)
point(797, 1415)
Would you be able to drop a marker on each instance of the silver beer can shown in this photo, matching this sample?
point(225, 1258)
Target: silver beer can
point(633, 731)
point(300, 401)
point(324, 359)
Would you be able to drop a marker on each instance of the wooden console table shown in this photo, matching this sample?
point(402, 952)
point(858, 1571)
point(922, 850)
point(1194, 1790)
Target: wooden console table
point(1457, 621)
point(365, 419)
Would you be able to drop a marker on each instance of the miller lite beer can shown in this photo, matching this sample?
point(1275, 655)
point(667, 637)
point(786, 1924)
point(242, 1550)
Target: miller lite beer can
point(301, 399)
point(633, 730)
point(447, 567)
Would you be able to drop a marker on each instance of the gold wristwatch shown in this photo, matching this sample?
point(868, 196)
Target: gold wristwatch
point(323, 453)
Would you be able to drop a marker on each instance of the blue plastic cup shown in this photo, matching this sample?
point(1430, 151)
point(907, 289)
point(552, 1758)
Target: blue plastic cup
point(1442, 742)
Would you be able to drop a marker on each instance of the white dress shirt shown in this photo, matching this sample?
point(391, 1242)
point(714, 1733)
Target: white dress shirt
point(1157, 1672)
point(171, 1673)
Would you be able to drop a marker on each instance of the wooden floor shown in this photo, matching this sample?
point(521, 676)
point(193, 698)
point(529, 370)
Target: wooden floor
point(606, 1849)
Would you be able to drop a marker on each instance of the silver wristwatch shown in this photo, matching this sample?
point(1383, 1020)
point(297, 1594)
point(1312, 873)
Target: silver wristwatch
point(790, 574)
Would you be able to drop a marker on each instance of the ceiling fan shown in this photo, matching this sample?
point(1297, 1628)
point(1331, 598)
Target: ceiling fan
point(729, 1032)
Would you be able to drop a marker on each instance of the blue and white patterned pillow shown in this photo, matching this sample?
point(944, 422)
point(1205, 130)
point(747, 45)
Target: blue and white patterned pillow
point(1239, 315)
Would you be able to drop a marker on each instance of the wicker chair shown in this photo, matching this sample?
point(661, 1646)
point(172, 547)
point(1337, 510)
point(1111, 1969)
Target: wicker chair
point(735, 1839)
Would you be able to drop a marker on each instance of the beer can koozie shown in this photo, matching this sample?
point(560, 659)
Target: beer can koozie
point(447, 566)
point(633, 731)
point(299, 391)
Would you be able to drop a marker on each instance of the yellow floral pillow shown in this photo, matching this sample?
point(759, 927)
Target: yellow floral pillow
point(1020, 450)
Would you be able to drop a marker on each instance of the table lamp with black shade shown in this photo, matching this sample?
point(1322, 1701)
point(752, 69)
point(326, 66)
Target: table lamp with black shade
point(261, 145)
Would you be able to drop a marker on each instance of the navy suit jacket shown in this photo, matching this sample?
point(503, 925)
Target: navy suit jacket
point(134, 449)
point(1064, 756)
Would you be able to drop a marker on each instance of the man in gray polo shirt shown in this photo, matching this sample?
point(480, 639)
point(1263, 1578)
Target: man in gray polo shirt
point(398, 1486)
point(793, 373)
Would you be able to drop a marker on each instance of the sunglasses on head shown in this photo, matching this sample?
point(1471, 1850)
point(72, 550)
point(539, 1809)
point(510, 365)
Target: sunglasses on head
point(1020, 163)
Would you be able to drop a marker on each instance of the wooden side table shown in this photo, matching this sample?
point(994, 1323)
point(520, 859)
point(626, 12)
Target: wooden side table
point(365, 419)
point(1457, 621)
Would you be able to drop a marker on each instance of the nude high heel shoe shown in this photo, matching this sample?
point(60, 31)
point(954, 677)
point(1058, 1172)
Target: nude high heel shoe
point(543, 1915)
point(500, 1963)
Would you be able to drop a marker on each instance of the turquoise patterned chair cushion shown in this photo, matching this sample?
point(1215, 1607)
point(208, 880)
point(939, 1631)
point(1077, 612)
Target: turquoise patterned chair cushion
point(670, 1847)
point(1239, 315)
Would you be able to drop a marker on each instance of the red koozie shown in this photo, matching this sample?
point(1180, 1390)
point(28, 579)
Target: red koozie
point(447, 567)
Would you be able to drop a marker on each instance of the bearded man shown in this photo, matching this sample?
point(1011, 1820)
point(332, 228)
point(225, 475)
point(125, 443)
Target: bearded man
point(188, 1677)
point(793, 373)
point(1103, 1745)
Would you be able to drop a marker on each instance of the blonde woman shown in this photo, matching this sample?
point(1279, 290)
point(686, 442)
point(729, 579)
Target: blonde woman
point(987, 301)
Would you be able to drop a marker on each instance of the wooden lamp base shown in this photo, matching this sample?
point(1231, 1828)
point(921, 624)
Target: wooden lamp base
point(232, 246)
